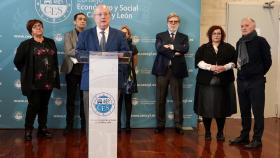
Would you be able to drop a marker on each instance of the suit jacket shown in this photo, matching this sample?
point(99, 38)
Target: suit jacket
point(259, 59)
point(88, 41)
point(165, 55)
point(70, 41)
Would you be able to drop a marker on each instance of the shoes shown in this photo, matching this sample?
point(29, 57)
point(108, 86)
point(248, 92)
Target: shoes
point(220, 137)
point(127, 129)
point(67, 130)
point(28, 135)
point(159, 129)
point(207, 136)
point(254, 144)
point(83, 126)
point(119, 130)
point(179, 130)
point(44, 133)
point(239, 141)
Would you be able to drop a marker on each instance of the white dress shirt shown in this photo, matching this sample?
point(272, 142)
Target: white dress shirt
point(99, 34)
point(205, 66)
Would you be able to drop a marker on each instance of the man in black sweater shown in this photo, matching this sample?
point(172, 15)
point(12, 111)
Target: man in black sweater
point(254, 61)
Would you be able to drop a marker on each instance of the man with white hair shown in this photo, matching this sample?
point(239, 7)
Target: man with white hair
point(102, 37)
point(254, 61)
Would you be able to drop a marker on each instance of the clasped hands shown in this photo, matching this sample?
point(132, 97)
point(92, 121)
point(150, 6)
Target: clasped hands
point(217, 68)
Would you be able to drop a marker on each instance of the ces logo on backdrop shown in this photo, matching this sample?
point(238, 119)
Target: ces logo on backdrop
point(53, 11)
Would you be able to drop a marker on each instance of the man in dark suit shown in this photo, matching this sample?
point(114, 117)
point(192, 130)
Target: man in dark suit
point(73, 71)
point(253, 62)
point(170, 69)
point(100, 38)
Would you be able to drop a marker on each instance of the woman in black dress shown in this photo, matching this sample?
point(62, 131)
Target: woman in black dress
point(215, 92)
point(36, 60)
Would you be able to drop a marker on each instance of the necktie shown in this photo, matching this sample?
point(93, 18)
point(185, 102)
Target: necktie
point(102, 41)
point(172, 36)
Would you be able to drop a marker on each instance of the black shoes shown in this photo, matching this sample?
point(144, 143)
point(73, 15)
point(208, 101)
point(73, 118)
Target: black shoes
point(67, 130)
point(239, 141)
point(127, 129)
point(41, 133)
point(159, 129)
point(207, 136)
point(44, 133)
point(254, 144)
point(220, 137)
point(245, 141)
point(179, 130)
point(28, 135)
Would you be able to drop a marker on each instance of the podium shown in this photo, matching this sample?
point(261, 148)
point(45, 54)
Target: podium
point(103, 100)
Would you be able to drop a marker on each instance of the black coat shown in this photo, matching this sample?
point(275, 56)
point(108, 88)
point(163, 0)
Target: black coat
point(24, 63)
point(226, 53)
point(164, 55)
point(259, 59)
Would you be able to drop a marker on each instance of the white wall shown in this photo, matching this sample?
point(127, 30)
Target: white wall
point(215, 13)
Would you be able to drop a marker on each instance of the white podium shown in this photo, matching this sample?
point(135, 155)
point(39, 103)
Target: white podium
point(103, 101)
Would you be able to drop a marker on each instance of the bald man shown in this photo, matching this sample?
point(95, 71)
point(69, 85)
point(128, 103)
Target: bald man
point(254, 61)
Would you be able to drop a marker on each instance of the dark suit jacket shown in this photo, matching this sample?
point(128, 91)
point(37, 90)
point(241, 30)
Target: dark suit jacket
point(88, 41)
point(259, 59)
point(70, 41)
point(164, 55)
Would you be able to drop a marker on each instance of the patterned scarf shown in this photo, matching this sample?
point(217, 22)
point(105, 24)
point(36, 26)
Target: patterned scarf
point(243, 57)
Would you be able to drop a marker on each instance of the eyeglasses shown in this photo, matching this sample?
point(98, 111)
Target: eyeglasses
point(37, 26)
point(173, 21)
point(216, 33)
point(102, 14)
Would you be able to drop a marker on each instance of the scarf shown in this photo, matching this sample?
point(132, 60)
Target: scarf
point(243, 57)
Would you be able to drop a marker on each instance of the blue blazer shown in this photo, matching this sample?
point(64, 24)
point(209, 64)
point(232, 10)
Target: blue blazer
point(88, 41)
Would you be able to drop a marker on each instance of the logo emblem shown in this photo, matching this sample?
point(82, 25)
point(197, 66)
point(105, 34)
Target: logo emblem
point(58, 37)
point(53, 11)
point(18, 115)
point(58, 101)
point(103, 104)
point(134, 101)
point(17, 84)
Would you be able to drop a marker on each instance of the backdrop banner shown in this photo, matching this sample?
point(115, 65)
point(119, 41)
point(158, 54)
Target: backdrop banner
point(146, 18)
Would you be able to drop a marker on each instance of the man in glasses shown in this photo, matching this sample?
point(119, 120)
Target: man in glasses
point(170, 69)
point(103, 38)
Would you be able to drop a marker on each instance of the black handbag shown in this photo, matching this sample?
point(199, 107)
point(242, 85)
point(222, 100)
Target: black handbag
point(130, 86)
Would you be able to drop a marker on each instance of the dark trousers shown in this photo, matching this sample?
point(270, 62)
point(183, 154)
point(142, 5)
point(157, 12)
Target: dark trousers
point(220, 124)
point(37, 105)
point(128, 108)
point(73, 85)
point(176, 87)
point(251, 95)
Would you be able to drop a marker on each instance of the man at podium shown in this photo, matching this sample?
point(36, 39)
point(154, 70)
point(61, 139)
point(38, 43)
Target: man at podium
point(101, 38)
